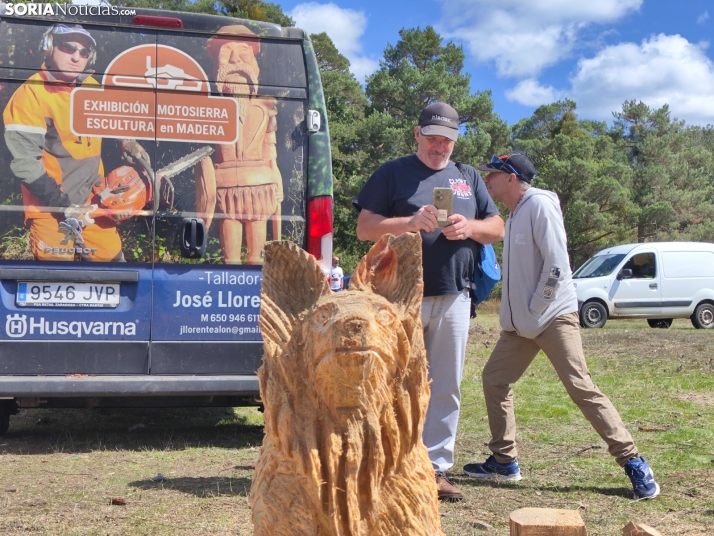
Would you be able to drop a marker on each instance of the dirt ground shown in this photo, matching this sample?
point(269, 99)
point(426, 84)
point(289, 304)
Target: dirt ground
point(566, 466)
point(189, 471)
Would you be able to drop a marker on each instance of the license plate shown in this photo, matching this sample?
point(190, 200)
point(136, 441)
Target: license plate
point(47, 294)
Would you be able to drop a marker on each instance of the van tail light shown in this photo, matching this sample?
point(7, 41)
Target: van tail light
point(319, 230)
point(151, 20)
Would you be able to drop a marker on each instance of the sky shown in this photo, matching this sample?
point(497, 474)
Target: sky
point(598, 53)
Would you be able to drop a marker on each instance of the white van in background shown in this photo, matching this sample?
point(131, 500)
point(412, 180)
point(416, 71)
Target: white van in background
point(659, 281)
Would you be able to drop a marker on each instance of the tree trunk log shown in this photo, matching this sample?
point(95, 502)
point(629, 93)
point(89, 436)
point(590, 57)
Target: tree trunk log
point(639, 530)
point(547, 522)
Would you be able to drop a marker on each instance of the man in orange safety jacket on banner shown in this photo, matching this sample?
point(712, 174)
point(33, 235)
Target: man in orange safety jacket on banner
point(60, 171)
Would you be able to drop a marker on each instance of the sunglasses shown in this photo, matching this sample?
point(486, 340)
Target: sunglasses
point(71, 48)
point(502, 165)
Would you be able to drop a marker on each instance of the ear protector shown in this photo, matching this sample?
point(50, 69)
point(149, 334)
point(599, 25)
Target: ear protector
point(47, 43)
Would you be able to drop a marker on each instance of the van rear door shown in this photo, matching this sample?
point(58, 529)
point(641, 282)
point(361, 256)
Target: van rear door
point(211, 230)
point(69, 305)
point(227, 163)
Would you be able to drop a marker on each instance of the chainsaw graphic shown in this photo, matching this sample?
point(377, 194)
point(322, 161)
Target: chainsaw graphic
point(125, 191)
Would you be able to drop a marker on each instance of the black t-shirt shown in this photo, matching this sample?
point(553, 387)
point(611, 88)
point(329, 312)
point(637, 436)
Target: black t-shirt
point(401, 187)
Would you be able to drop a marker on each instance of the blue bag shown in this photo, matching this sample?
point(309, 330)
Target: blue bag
point(487, 271)
point(486, 274)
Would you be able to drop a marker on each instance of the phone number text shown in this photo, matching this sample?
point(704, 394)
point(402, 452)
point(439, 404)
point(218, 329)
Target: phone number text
point(223, 317)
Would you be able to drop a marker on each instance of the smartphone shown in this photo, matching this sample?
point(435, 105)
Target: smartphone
point(444, 203)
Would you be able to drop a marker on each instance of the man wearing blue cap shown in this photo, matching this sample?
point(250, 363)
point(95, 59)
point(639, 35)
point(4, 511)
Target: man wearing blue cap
point(398, 198)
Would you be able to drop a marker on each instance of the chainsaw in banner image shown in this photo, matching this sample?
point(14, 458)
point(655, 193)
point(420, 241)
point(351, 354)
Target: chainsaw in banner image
point(123, 194)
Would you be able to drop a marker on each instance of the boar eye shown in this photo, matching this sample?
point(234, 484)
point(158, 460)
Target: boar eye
point(385, 316)
point(322, 317)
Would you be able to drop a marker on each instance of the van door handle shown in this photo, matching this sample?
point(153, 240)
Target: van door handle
point(193, 238)
point(653, 285)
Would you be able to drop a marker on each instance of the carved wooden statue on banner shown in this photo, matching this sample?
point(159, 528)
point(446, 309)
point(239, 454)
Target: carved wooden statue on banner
point(242, 182)
point(345, 387)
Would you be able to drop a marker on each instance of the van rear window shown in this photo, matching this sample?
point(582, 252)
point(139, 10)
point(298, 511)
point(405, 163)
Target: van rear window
point(116, 138)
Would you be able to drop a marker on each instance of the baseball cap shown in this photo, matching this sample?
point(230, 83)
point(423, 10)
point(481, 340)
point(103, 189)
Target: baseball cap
point(69, 29)
point(439, 119)
point(512, 163)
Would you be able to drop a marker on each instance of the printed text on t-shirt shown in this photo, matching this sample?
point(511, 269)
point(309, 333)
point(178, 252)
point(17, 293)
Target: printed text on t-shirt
point(460, 187)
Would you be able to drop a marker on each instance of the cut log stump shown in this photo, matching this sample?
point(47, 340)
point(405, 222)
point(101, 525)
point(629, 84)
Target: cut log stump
point(632, 529)
point(547, 522)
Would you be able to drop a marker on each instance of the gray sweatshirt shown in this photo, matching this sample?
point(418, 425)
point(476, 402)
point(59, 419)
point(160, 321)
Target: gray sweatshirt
point(537, 280)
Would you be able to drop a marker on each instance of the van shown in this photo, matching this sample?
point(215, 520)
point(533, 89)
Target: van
point(659, 281)
point(148, 156)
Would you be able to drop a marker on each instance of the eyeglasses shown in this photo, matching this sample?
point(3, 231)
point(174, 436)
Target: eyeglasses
point(71, 48)
point(500, 163)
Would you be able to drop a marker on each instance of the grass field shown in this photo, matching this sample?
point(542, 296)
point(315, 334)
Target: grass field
point(60, 469)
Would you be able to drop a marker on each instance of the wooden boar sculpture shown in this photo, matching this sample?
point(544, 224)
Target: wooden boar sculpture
point(345, 388)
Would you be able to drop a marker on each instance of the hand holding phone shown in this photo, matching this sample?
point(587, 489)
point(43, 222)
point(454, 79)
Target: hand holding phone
point(444, 203)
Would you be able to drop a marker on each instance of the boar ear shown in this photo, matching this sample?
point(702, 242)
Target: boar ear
point(292, 284)
point(392, 269)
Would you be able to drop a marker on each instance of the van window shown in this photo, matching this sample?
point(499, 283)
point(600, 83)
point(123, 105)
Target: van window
point(678, 264)
point(642, 266)
point(598, 266)
point(254, 189)
point(167, 93)
point(50, 166)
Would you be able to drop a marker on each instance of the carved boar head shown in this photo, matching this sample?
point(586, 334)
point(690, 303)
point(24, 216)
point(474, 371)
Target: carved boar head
point(343, 350)
point(345, 386)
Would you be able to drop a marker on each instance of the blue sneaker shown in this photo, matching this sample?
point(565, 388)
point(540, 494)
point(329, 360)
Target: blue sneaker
point(642, 478)
point(492, 469)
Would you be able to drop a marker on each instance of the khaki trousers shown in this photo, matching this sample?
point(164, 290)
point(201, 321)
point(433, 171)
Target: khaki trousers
point(562, 345)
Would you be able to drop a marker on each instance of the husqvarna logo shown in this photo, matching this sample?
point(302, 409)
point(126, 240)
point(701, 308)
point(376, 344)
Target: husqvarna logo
point(16, 325)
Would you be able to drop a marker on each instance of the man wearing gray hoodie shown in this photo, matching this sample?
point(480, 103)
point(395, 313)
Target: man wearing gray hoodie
point(539, 311)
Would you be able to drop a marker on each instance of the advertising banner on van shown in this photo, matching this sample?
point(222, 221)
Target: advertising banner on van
point(91, 111)
point(171, 101)
point(210, 304)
